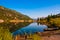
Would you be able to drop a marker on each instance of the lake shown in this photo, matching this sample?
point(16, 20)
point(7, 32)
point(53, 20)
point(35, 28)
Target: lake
point(31, 28)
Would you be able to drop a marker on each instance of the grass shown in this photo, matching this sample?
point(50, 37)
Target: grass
point(5, 34)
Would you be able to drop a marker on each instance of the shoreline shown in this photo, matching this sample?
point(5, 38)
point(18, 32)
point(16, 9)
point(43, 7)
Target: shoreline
point(52, 37)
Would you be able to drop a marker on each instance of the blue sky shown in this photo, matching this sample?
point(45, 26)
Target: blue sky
point(33, 8)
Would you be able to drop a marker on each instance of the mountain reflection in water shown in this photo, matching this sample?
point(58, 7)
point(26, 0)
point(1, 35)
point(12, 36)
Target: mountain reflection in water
point(13, 26)
point(32, 28)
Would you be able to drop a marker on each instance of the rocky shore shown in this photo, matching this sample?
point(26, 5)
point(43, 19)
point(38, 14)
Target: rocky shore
point(50, 35)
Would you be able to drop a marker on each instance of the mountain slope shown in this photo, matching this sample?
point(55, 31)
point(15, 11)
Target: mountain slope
point(8, 14)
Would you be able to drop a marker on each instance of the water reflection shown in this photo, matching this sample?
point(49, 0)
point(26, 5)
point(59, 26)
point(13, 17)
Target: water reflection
point(13, 26)
point(32, 28)
point(21, 28)
point(38, 23)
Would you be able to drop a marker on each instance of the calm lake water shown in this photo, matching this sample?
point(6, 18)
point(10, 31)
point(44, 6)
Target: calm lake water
point(32, 28)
